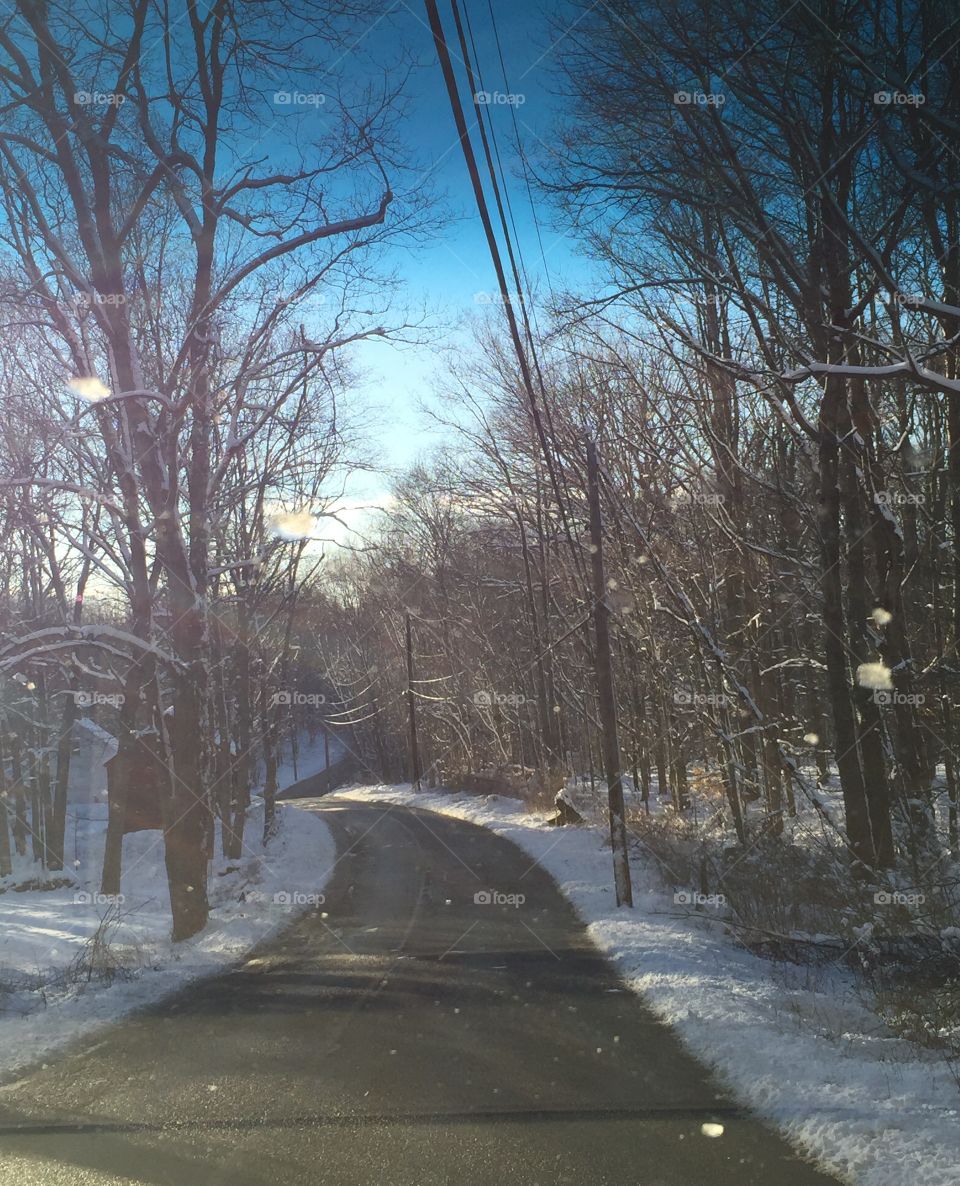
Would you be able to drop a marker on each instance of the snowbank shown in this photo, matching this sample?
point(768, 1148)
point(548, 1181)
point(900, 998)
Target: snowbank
point(797, 1046)
point(45, 935)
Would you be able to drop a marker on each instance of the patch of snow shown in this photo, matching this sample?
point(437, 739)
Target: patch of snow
point(310, 759)
point(43, 932)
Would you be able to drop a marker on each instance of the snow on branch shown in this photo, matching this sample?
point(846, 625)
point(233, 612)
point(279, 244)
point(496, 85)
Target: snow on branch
point(70, 487)
point(54, 639)
point(906, 369)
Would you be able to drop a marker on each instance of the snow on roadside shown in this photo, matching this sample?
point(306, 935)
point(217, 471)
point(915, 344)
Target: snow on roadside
point(43, 932)
point(797, 1046)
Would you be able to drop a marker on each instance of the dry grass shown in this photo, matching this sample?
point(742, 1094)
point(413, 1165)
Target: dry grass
point(774, 887)
point(100, 959)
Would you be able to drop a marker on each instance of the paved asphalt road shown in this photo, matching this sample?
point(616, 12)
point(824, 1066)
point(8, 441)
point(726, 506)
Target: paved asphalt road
point(412, 1037)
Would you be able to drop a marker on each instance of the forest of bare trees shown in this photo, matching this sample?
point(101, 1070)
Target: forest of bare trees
point(768, 377)
point(771, 382)
point(479, 592)
point(176, 305)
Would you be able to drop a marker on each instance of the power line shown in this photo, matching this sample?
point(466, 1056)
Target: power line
point(520, 152)
point(470, 160)
point(531, 341)
point(498, 195)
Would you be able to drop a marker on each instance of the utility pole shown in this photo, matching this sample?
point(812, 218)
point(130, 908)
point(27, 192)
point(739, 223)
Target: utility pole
point(605, 694)
point(412, 706)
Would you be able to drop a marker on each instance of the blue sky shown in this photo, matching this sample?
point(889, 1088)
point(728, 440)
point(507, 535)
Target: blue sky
point(446, 273)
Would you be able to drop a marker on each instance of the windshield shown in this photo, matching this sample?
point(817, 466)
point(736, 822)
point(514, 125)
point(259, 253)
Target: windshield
point(479, 592)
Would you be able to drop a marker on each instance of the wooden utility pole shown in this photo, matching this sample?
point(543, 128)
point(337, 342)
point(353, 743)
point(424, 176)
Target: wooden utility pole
point(412, 706)
point(605, 694)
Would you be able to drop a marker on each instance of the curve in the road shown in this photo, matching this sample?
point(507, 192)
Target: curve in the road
point(403, 1034)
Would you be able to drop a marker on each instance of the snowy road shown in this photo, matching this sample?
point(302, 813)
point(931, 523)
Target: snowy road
point(407, 1033)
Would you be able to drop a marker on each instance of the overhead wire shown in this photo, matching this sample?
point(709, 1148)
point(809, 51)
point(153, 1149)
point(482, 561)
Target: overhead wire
point(499, 194)
point(470, 160)
point(485, 115)
point(518, 139)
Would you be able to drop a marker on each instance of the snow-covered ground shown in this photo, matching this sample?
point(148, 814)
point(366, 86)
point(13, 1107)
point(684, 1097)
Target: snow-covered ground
point(46, 936)
point(798, 1045)
point(309, 759)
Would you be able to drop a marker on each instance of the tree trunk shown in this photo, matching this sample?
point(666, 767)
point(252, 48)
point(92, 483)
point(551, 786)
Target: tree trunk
point(58, 819)
point(21, 828)
point(831, 583)
point(6, 857)
point(270, 767)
